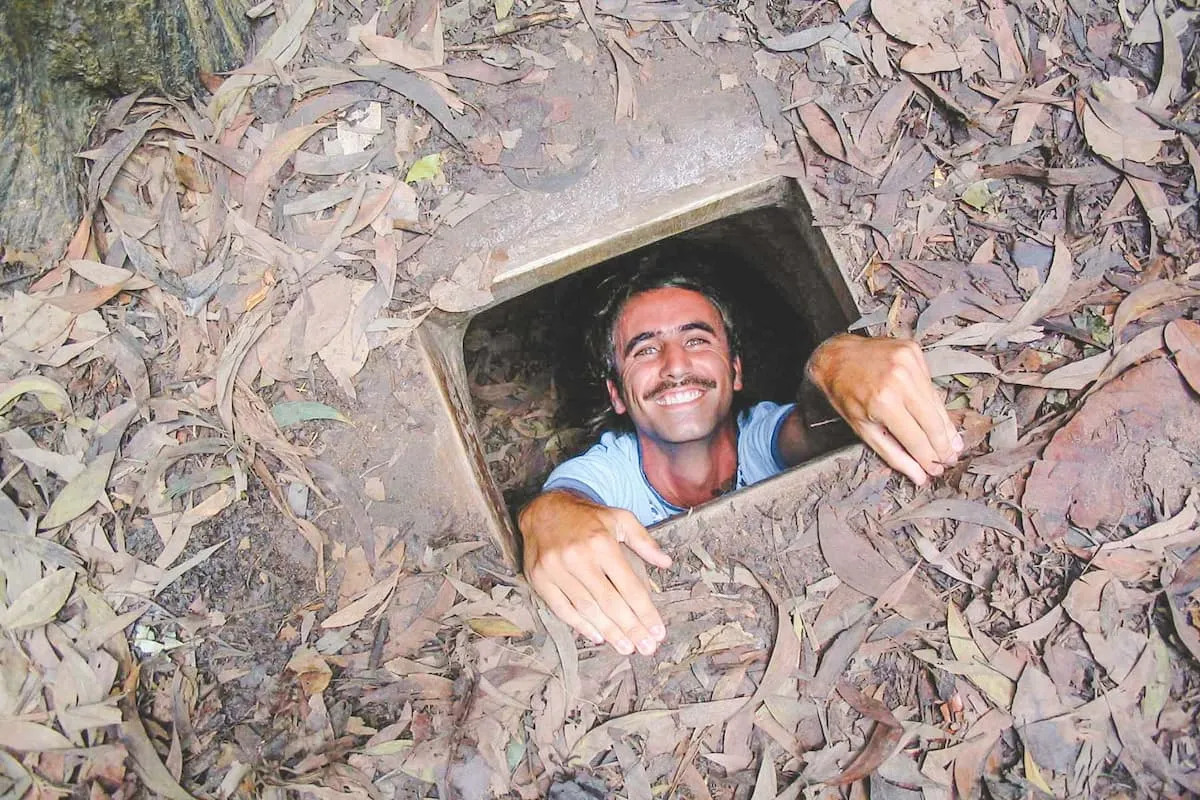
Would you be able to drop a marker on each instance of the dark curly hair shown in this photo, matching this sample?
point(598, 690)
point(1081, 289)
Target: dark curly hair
point(671, 265)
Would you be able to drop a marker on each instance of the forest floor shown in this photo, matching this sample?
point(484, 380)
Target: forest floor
point(1013, 185)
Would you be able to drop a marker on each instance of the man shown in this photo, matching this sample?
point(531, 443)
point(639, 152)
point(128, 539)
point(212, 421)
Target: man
point(673, 366)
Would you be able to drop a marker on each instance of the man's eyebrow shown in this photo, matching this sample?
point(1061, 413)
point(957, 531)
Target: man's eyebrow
point(697, 325)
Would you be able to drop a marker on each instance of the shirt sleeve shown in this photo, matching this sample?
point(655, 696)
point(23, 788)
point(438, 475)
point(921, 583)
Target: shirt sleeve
point(758, 440)
point(596, 474)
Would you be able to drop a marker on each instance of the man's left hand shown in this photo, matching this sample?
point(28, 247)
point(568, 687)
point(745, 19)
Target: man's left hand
point(883, 389)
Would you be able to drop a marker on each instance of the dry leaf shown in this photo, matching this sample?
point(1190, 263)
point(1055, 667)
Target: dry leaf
point(1144, 298)
point(83, 492)
point(962, 510)
point(311, 670)
point(1045, 297)
point(1183, 339)
point(924, 60)
point(354, 612)
point(22, 736)
point(274, 156)
point(494, 626)
point(914, 21)
point(52, 396)
point(1115, 128)
point(944, 361)
point(40, 603)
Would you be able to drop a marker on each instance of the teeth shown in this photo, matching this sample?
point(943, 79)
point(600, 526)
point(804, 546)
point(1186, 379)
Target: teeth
point(675, 398)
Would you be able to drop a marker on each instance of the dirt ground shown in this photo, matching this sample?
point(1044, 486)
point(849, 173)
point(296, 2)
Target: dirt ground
point(248, 551)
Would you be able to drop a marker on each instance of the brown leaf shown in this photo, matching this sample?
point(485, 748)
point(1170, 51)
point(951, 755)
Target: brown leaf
point(925, 59)
point(1183, 339)
point(311, 670)
point(1012, 65)
point(1170, 75)
point(913, 21)
point(1045, 297)
point(1115, 128)
point(785, 654)
point(1181, 593)
point(853, 559)
point(353, 613)
point(494, 626)
point(274, 156)
point(962, 510)
point(1145, 298)
point(887, 734)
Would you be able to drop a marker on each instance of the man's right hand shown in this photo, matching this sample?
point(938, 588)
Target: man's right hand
point(574, 561)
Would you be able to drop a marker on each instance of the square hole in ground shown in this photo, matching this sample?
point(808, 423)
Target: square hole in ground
point(515, 375)
point(518, 375)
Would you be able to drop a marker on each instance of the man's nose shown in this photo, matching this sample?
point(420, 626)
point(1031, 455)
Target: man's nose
point(675, 361)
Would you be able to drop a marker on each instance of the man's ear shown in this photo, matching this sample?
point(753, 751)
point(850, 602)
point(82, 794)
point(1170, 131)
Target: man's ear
point(614, 397)
point(737, 373)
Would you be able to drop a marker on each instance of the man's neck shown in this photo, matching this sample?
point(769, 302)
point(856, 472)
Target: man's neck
point(692, 473)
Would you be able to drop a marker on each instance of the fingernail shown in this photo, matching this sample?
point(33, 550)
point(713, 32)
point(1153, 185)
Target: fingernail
point(624, 647)
point(658, 632)
point(646, 646)
point(958, 443)
point(597, 638)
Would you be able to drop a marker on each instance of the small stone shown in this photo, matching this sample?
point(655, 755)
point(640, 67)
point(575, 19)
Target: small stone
point(373, 488)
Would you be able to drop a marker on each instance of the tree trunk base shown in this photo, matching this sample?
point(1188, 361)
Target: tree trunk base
point(60, 62)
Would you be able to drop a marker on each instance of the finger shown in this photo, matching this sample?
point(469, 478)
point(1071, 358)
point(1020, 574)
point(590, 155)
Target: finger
point(617, 603)
point(956, 440)
point(594, 606)
point(905, 430)
point(633, 589)
point(636, 538)
point(558, 603)
point(890, 451)
point(926, 408)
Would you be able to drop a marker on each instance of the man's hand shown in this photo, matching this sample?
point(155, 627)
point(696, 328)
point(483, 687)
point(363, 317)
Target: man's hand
point(882, 387)
point(574, 560)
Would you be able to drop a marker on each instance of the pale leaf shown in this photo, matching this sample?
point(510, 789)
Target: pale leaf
point(29, 737)
point(40, 603)
point(353, 613)
point(54, 398)
point(81, 493)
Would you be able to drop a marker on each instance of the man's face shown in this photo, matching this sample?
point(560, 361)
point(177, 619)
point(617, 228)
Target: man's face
point(673, 359)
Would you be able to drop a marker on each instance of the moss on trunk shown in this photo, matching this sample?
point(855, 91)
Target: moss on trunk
point(61, 61)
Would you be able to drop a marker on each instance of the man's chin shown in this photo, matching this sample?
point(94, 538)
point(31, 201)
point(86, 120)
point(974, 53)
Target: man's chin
point(683, 433)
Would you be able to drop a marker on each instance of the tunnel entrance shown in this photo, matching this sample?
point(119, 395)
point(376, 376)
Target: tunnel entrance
point(538, 398)
point(517, 374)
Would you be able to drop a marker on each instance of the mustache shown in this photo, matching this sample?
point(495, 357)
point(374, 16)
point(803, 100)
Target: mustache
point(668, 386)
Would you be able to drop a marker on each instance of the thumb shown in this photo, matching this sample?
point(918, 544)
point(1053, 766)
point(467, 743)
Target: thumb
point(636, 538)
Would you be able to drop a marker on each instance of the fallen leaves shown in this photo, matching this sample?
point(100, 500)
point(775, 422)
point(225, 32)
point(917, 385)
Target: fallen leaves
point(40, 603)
point(1183, 339)
point(1116, 128)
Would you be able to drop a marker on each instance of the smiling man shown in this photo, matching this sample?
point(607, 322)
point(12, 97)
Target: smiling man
point(672, 362)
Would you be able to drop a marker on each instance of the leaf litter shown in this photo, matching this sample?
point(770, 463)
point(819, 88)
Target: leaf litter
point(158, 377)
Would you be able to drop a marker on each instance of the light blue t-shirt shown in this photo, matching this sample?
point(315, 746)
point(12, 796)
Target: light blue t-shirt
point(610, 472)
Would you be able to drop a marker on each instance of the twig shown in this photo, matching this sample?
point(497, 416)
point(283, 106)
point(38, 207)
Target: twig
point(516, 24)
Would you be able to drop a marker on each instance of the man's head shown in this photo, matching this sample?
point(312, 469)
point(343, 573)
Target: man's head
point(668, 351)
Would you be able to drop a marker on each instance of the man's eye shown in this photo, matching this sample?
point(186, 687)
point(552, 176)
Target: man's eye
point(649, 350)
point(697, 340)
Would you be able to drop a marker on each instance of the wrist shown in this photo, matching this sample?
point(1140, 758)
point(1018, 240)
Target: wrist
point(823, 358)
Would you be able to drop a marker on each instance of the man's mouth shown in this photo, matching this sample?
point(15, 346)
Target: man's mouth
point(676, 394)
point(678, 397)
